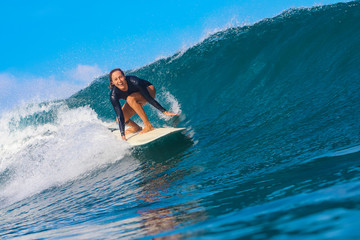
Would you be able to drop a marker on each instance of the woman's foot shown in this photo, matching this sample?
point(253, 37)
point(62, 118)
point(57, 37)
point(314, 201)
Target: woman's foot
point(132, 130)
point(147, 128)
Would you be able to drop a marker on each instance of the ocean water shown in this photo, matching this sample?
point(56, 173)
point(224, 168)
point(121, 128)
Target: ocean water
point(271, 150)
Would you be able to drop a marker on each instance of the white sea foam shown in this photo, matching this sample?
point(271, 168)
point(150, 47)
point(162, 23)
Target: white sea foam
point(41, 155)
point(169, 100)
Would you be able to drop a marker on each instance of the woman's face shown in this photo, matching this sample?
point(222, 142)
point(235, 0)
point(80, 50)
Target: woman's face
point(118, 79)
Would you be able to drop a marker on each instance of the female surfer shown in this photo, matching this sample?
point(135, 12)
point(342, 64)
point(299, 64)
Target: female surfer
point(137, 92)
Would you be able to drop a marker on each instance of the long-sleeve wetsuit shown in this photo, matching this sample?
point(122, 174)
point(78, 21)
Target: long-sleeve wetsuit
point(135, 84)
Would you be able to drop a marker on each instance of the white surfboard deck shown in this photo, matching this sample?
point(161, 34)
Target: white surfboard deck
point(136, 139)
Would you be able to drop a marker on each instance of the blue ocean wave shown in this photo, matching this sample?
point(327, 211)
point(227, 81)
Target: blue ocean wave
point(272, 113)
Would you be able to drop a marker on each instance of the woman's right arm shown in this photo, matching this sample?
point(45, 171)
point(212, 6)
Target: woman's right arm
point(119, 113)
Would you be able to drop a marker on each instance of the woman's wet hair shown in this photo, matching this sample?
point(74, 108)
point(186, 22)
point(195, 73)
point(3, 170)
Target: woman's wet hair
point(111, 85)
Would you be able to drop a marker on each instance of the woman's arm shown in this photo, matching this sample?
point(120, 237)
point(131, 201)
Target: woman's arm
point(143, 90)
point(119, 113)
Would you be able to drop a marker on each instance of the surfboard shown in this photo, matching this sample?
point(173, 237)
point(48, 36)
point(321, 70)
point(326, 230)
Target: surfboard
point(136, 139)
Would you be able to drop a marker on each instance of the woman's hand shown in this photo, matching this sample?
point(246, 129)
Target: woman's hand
point(170, 114)
point(123, 137)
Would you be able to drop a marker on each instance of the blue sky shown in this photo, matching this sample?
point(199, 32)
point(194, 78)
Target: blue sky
point(63, 45)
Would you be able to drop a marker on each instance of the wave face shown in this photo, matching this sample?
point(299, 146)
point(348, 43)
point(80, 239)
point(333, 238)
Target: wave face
point(272, 149)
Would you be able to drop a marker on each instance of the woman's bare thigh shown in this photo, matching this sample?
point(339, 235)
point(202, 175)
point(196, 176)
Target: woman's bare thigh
point(128, 111)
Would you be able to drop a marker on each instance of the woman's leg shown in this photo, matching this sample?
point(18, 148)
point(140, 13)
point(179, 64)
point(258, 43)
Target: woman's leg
point(135, 102)
point(128, 113)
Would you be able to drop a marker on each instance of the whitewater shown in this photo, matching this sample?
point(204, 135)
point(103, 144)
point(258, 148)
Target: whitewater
point(271, 149)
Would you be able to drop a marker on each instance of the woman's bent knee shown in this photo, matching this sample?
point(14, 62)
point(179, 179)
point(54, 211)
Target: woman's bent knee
point(130, 100)
point(134, 98)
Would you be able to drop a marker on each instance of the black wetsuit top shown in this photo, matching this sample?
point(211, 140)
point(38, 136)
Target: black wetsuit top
point(135, 84)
